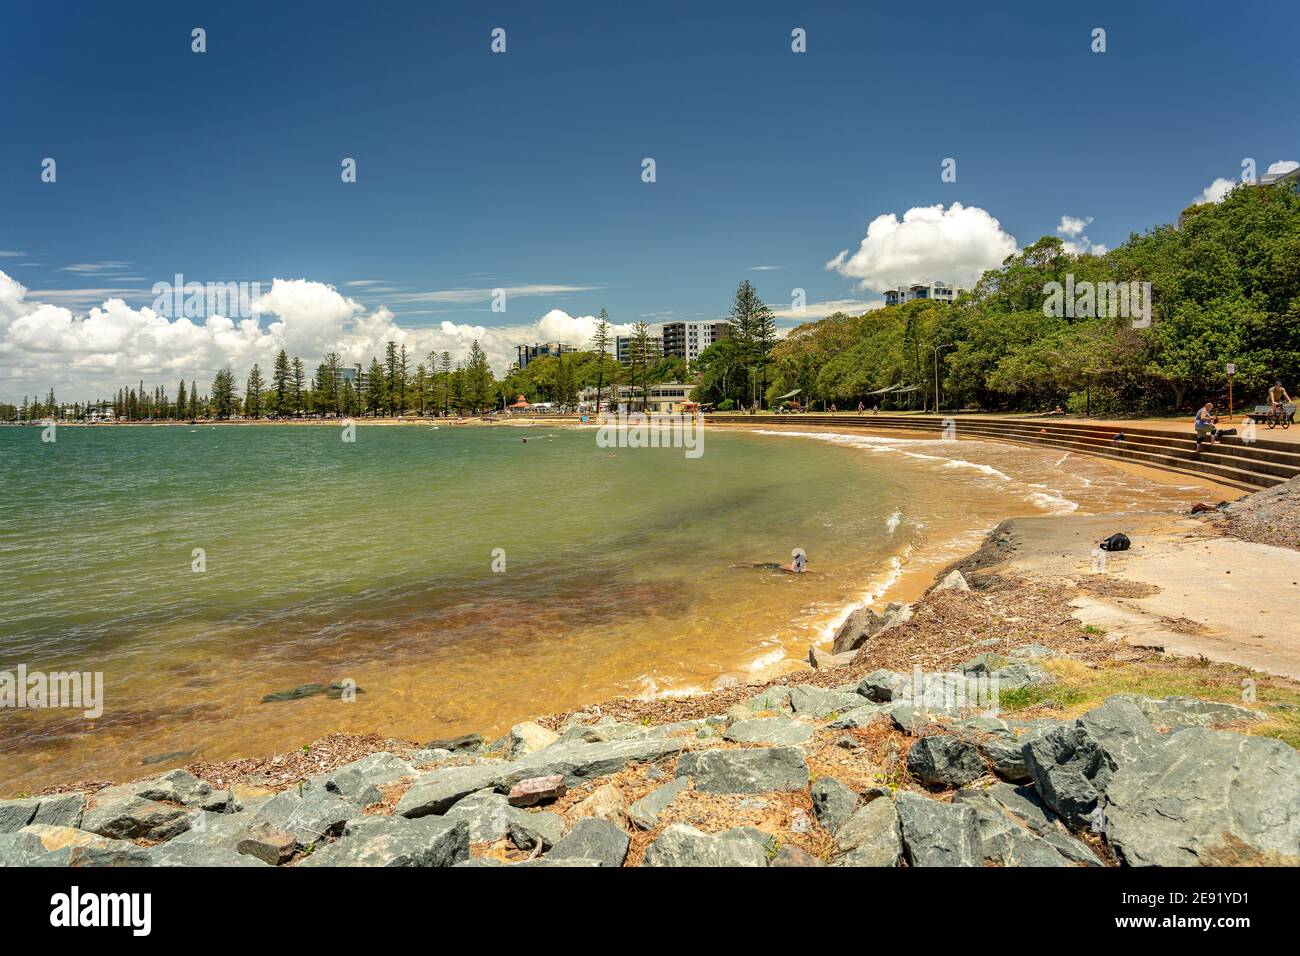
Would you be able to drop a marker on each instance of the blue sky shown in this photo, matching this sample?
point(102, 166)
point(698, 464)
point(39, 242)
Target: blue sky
point(523, 170)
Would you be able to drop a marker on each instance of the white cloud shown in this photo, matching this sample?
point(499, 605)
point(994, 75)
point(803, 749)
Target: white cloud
point(765, 268)
point(930, 243)
point(1217, 191)
point(1282, 166)
point(45, 344)
point(97, 268)
point(1070, 229)
point(11, 254)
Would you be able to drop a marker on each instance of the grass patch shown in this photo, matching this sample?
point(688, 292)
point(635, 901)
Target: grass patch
point(1079, 687)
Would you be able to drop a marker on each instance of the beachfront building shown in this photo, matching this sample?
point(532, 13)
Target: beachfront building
point(1291, 176)
point(625, 348)
point(663, 399)
point(934, 291)
point(529, 352)
point(686, 340)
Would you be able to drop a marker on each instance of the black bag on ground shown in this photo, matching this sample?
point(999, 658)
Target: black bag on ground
point(1116, 542)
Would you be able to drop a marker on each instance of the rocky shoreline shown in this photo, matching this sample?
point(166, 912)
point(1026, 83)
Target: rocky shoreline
point(883, 754)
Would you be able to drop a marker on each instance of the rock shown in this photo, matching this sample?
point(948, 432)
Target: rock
point(1190, 712)
point(609, 729)
point(464, 744)
point(938, 834)
point(870, 837)
point(360, 780)
point(775, 698)
point(40, 844)
point(645, 812)
point(528, 829)
point(605, 803)
point(1004, 841)
point(911, 718)
point(295, 693)
point(535, 790)
point(757, 770)
point(1019, 675)
point(579, 762)
point(310, 817)
point(1072, 765)
point(857, 718)
point(825, 660)
point(1030, 652)
point(193, 854)
point(124, 816)
point(791, 855)
point(529, 737)
point(682, 845)
point(776, 731)
point(944, 761)
point(813, 701)
point(60, 810)
point(422, 758)
point(1207, 798)
point(857, 628)
point(983, 663)
point(395, 841)
point(438, 790)
point(882, 686)
point(593, 839)
point(955, 581)
point(488, 814)
point(268, 843)
point(833, 803)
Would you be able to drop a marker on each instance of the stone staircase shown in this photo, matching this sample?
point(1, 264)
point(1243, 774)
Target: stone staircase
point(1247, 466)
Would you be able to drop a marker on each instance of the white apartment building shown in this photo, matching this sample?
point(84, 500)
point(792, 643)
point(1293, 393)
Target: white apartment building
point(935, 291)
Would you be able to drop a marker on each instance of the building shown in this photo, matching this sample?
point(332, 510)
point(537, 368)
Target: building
point(935, 291)
point(529, 352)
point(686, 340)
point(625, 348)
point(663, 399)
point(1291, 176)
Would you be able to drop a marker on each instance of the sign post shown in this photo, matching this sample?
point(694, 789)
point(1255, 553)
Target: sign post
point(1231, 369)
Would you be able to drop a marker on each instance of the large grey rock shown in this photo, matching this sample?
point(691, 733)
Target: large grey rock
point(944, 761)
point(955, 581)
point(757, 770)
point(1072, 765)
point(776, 698)
point(645, 812)
point(1173, 712)
point(593, 839)
point(359, 781)
point(811, 701)
point(1005, 750)
point(397, 841)
point(883, 686)
point(529, 829)
point(311, 817)
point(607, 730)
point(774, 731)
point(833, 803)
point(1028, 835)
point(462, 745)
point(870, 837)
point(124, 816)
point(682, 845)
point(488, 814)
point(857, 717)
point(857, 628)
point(438, 790)
point(40, 844)
point(824, 660)
point(938, 834)
point(193, 854)
point(265, 842)
point(1019, 675)
point(579, 762)
point(61, 809)
point(1207, 797)
point(529, 737)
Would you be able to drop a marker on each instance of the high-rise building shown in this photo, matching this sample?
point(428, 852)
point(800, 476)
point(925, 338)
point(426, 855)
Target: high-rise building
point(625, 348)
point(687, 340)
point(554, 349)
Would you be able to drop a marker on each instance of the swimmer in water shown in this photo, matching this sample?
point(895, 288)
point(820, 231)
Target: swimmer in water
point(798, 564)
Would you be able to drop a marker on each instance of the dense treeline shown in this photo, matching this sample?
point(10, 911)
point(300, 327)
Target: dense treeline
point(1225, 287)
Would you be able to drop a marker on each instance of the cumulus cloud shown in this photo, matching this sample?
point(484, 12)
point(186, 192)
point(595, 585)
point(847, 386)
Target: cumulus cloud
point(819, 310)
point(929, 243)
point(1070, 229)
point(90, 355)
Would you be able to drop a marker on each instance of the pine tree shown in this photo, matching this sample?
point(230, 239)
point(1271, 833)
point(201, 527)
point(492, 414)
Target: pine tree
point(280, 377)
point(444, 373)
point(180, 400)
point(253, 394)
point(478, 378)
point(600, 343)
point(299, 383)
point(223, 393)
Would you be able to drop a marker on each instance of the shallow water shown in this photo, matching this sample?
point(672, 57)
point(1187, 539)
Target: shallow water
point(374, 562)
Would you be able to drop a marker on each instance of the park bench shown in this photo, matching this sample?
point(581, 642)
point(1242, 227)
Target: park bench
point(1263, 414)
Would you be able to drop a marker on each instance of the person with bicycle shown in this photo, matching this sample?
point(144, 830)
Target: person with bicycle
point(1278, 399)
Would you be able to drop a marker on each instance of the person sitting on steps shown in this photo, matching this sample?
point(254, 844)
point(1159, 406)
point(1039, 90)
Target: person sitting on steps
point(1205, 424)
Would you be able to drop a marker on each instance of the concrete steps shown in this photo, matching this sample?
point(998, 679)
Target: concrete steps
point(1247, 466)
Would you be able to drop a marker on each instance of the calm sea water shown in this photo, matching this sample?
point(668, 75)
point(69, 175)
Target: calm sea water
point(380, 562)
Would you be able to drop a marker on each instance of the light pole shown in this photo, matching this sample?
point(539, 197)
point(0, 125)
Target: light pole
point(936, 349)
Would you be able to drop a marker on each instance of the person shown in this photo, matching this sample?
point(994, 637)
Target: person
point(1204, 424)
point(1277, 397)
point(1058, 410)
point(799, 561)
point(861, 408)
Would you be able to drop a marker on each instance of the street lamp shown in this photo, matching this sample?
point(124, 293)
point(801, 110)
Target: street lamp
point(936, 349)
